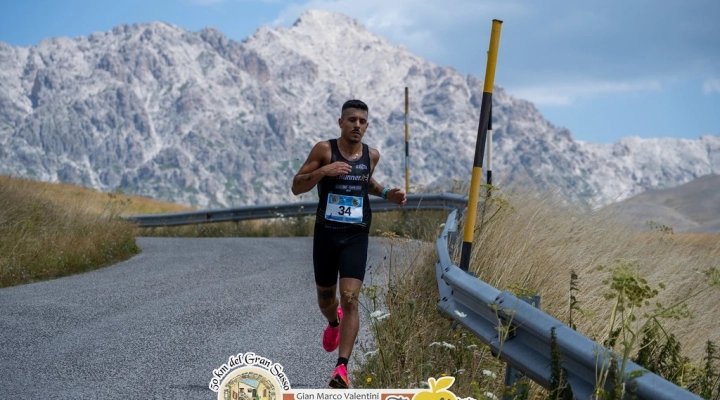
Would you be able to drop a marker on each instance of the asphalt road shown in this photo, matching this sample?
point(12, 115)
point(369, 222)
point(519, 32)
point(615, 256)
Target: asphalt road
point(157, 325)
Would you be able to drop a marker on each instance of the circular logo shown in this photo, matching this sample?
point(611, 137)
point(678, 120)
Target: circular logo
point(250, 383)
point(355, 202)
point(334, 199)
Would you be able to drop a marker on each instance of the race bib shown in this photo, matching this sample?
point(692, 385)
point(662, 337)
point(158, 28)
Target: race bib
point(347, 209)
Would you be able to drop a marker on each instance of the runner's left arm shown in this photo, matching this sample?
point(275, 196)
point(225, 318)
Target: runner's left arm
point(374, 188)
point(394, 195)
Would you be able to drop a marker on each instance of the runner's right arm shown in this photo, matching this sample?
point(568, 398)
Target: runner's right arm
point(316, 167)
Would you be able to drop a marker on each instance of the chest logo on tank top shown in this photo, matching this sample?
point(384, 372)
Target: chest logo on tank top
point(352, 178)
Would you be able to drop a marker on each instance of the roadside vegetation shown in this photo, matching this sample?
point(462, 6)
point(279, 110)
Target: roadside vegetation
point(646, 293)
point(52, 230)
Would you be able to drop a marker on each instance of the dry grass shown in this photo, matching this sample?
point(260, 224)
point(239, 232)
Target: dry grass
point(532, 241)
point(53, 230)
point(93, 201)
point(410, 341)
point(537, 241)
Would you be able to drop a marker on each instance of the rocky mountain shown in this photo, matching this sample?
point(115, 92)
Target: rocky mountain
point(192, 117)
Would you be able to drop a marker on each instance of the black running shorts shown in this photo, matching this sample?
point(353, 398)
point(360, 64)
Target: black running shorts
point(339, 249)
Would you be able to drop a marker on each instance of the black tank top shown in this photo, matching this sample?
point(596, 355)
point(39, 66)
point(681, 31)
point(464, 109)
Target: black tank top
point(340, 196)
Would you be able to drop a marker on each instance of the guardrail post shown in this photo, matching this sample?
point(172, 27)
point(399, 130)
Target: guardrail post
point(454, 239)
point(512, 376)
point(454, 324)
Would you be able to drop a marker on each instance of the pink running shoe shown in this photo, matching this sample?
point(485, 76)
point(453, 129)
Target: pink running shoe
point(339, 378)
point(331, 336)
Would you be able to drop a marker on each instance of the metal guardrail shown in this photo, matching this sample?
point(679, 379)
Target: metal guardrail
point(520, 333)
point(443, 201)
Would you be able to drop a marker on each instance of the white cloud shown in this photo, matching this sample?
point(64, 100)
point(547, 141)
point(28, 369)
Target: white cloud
point(568, 93)
point(711, 86)
point(406, 12)
point(415, 24)
point(538, 43)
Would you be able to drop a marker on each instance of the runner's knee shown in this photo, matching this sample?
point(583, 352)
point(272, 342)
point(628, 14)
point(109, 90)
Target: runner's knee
point(349, 300)
point(326, 297)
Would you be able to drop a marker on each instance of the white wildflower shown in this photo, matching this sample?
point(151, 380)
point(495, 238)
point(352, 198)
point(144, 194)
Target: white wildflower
point(380, 315)
point(472, 346)
point(448, 345)
point(490, 395)
point(434, 344)
point(460, 314)
point(489, 373)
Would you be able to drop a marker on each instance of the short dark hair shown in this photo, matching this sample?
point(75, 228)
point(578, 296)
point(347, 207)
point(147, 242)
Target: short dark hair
point(354, 104)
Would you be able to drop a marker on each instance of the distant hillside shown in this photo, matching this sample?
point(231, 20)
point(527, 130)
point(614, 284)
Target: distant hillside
point(692, 207)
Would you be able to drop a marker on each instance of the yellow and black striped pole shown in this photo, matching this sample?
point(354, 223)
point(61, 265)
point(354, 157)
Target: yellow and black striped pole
point(489, 150)
point(480, 145)
point(407, 145)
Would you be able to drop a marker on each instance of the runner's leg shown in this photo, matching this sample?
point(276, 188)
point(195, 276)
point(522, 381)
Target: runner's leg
point(328, 302)
point(353, 260)
point(325, 262)
point(349, 294)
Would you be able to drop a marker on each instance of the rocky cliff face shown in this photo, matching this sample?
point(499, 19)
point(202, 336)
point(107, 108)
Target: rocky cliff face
point(192, 117)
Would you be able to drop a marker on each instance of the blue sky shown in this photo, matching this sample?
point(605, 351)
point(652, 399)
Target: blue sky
point(603, 69)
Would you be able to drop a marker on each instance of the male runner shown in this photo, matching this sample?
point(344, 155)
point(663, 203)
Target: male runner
point(342, 170)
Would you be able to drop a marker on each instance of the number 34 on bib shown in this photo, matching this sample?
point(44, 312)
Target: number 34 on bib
point(346, 209)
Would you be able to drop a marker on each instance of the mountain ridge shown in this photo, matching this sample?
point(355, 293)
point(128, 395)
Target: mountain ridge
point(194, 117)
